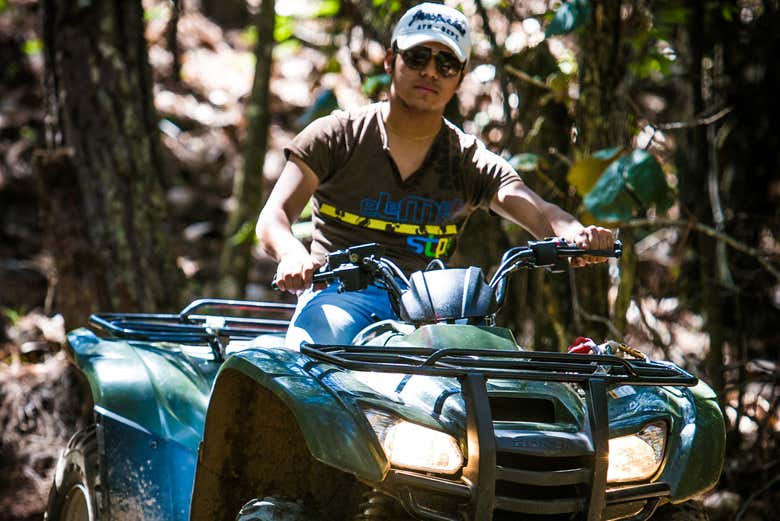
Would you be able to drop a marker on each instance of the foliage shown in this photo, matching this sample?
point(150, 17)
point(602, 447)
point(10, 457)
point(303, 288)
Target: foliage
point(585, 173)
point(616, 186)
point(525, 162)
point(328, 8)
point(629, 185)
point(245, 234)
point(284, 28)
point(33, 46)
point(569, 17)
point(13, 315)
point(372, 85)
point(325, 103)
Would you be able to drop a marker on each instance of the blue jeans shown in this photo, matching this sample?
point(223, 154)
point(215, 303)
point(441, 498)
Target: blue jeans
point(329, 317)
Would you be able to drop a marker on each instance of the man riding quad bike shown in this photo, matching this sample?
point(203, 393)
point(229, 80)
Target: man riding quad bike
point(436, 415)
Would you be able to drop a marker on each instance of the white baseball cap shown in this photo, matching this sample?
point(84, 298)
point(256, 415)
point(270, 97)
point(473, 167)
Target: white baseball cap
point(431, 22)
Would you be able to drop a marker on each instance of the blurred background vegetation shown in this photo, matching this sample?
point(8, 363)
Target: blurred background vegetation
point(138, 141)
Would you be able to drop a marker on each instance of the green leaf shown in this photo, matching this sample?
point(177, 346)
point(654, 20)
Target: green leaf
point(332, 65)
point(608, 153)
point(730, 12)
point(673, 15)
point(374, 84)
point(246, 233)
point(28, 133)
point(155, 13)
point(328, 8)
point(585, 172)
point(249, 36)
point(559, 86)
point(525, 162)
point(569, 17)
point(634, 182)
point(387, 6)
point(325, 103)
point(3, 5)
point(13, 315)
point(32, 46)
point(284, 28)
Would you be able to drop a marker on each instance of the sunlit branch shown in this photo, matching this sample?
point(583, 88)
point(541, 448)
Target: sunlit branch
point(524, 76)
point(694, 123)
point(759, 255)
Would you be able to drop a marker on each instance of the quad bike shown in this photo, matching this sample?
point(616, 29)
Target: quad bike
point(438, 415)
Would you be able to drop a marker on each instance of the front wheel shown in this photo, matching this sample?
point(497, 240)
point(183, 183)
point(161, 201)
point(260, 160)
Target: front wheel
point(73, 496)
point(275, 509)
point(375, 507)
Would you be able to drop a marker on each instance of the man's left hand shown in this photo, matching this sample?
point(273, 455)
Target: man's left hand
point(592, 238)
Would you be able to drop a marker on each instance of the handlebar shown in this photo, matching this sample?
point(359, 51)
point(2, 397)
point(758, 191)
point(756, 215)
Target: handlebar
point(356, 267)
point(550, 254)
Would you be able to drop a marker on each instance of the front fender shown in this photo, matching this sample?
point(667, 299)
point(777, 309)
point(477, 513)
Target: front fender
point(334, 430)
point(698, 454)
point(273, 428)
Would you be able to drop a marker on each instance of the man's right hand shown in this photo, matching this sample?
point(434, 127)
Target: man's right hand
point(294, 272)
point(292, 191)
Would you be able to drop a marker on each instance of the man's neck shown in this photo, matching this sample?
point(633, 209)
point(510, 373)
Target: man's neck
point(411, 123)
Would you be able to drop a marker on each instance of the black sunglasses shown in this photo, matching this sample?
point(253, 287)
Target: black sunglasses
point(417, 58)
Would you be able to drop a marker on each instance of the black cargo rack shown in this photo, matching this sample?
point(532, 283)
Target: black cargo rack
point(526, 365)
point(473, 367)
point(189, 327)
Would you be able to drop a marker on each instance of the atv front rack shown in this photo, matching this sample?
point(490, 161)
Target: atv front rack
point(526, 365)
point(473, 367)
point(189, 327)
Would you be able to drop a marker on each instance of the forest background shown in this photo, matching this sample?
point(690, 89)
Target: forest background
point(139, 139)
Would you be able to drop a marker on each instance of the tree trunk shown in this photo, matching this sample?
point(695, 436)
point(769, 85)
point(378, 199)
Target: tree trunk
point(601, 111)
point(104, 153)
point(693, 164)
point(539, 304)
point(602, 122)
point(248, 185)
point(227, 13)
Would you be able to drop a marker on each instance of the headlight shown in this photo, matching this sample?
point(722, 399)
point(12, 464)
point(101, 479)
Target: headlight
point(413, 446)
point(637, 456)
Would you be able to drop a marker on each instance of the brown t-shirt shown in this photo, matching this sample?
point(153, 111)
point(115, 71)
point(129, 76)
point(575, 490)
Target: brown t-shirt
point(361, 197)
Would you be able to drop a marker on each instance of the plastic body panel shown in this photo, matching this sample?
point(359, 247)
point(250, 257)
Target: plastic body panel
point(146, 476)
point(324, 406)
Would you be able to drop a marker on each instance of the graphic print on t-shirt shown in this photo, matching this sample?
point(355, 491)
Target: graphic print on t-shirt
point(423, 219)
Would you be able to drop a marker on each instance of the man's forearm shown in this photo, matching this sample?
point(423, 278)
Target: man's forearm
point(562, 223)
point(276, 237)
point(520, 204)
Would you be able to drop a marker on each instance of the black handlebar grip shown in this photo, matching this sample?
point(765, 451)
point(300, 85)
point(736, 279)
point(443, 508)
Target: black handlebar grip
point(317, 278)
point(616, 251)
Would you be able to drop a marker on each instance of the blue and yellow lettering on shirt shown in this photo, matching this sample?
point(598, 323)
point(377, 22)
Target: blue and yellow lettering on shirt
point(423, 219)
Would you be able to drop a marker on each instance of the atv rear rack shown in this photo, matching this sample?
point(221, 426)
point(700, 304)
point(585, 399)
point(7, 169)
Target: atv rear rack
point(188, 327)
point(473, 367)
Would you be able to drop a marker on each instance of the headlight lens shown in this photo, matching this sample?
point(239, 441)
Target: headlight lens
point(637, 456)
point(411, 446)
